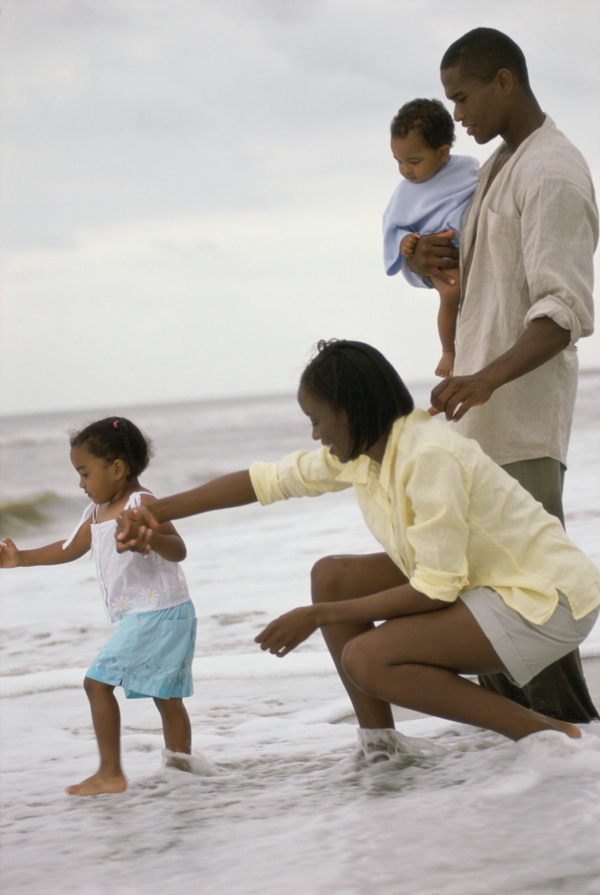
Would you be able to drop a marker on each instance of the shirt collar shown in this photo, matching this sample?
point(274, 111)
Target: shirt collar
point(363, 469)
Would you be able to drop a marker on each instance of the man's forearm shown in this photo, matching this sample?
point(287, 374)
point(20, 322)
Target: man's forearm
point(541, 341)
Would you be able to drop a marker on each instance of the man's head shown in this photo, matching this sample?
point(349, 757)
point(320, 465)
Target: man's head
point(481, 53)
point(485, 75)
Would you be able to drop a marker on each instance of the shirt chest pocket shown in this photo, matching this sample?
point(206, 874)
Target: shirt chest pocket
point(499, 247)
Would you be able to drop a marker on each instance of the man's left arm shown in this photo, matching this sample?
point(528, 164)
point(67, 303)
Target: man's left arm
point(540, 342)
point(559, 230)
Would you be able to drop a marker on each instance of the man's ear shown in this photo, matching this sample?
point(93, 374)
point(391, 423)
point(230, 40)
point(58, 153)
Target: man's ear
point(505, 80)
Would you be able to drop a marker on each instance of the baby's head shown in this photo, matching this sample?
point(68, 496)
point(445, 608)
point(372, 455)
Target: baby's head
point(115, 438)
point(422, 133)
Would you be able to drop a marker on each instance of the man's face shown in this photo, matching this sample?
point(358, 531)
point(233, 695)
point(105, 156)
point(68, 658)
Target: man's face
point(477, 105)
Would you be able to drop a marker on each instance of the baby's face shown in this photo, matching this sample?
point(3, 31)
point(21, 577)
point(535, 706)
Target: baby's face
point(417, 161)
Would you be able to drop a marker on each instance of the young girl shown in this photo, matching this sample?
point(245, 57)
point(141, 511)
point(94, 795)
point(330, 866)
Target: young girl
point(151, 651)
point(432, 197)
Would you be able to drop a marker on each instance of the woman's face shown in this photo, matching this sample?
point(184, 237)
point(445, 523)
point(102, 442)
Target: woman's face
point(329, 423)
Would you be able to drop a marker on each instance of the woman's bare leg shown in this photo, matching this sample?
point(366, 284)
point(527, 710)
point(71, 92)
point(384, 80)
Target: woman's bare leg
point(345, 578)
point(107, 725)
point(415, 662)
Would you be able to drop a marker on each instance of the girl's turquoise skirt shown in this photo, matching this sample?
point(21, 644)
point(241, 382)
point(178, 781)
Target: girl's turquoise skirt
point(150, 654)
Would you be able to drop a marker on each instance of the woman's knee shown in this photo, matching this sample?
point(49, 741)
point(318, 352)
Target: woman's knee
point(361, 663)
point(327, 579)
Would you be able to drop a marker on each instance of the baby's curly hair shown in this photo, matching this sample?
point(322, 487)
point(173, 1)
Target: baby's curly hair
point(429, 118)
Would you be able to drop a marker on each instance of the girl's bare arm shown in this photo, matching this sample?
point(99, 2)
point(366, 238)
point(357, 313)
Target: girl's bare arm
point(50, 555)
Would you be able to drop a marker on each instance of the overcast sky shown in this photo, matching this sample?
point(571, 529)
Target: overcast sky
point(193, 189)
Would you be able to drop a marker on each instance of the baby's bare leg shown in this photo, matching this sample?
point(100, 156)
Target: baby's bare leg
point(107, 725)
point(449, 301)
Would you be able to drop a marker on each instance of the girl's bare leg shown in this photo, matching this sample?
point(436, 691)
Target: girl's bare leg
point(177, 729)
point(107, 725)
point(415, 662)
point(345, 578)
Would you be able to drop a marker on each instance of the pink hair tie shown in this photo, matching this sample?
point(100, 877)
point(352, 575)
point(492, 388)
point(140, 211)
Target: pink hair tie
point(116, 424)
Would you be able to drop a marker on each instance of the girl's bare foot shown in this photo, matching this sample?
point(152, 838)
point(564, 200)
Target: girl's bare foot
point(98, 783)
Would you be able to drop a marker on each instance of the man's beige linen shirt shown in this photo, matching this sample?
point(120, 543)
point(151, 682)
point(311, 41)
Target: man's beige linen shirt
point(534, 235)
point(448, 517)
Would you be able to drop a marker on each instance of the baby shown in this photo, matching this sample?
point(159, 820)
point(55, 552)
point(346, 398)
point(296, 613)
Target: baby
point(433, 197)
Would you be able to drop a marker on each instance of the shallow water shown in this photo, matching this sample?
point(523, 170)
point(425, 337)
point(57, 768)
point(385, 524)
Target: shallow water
point(280, 800)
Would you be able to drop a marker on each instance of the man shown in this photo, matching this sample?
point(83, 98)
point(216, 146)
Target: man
point(526, 285)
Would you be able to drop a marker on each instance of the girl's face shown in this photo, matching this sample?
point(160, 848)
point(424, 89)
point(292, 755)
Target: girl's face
point(101, 480)
point(330, 424)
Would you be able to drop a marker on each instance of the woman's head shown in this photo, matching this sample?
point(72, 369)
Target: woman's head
point(115, 438)
point(357, 379)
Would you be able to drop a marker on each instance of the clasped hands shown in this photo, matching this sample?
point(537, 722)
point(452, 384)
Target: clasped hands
point(135, 528)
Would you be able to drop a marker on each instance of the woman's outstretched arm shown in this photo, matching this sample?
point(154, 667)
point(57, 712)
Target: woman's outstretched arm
point(135, 527)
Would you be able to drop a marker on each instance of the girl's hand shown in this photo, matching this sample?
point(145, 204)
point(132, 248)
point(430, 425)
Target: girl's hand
point(9, 555)
point(285, 633)
point(134, 530)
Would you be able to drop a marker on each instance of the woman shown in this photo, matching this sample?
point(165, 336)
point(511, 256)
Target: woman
point(476, 577)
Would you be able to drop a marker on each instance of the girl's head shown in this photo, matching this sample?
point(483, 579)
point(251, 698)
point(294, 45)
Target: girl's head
point(362, 392)
point(115, 438)
point(421, 136)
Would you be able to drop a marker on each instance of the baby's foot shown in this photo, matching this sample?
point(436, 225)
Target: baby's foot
point(446, 365)
point(98, 783)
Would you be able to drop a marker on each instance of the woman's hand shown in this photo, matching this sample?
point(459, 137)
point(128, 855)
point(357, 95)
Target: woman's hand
point(283, 634)
point(135, 528)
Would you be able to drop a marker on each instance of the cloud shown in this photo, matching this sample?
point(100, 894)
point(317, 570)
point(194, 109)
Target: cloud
point(193, 191)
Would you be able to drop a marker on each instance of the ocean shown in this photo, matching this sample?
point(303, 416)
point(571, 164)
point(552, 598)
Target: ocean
point(281, 800)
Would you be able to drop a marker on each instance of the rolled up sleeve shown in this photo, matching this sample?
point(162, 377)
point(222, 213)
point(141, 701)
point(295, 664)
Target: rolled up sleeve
point(558, 250)
point(301, 474)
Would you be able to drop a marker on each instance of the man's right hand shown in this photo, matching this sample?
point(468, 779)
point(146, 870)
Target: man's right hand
point(434, 255)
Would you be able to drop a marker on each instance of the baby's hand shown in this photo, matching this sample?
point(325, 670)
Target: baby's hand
point(9, 555)
point(407, 246)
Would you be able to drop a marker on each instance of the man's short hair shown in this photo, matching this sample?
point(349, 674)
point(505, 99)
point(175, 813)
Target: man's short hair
point(481, 53)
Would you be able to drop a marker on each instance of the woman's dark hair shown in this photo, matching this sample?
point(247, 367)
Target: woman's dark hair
point(115, 438)
point(358, 379)
point(429, 118)
point(481, 54)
